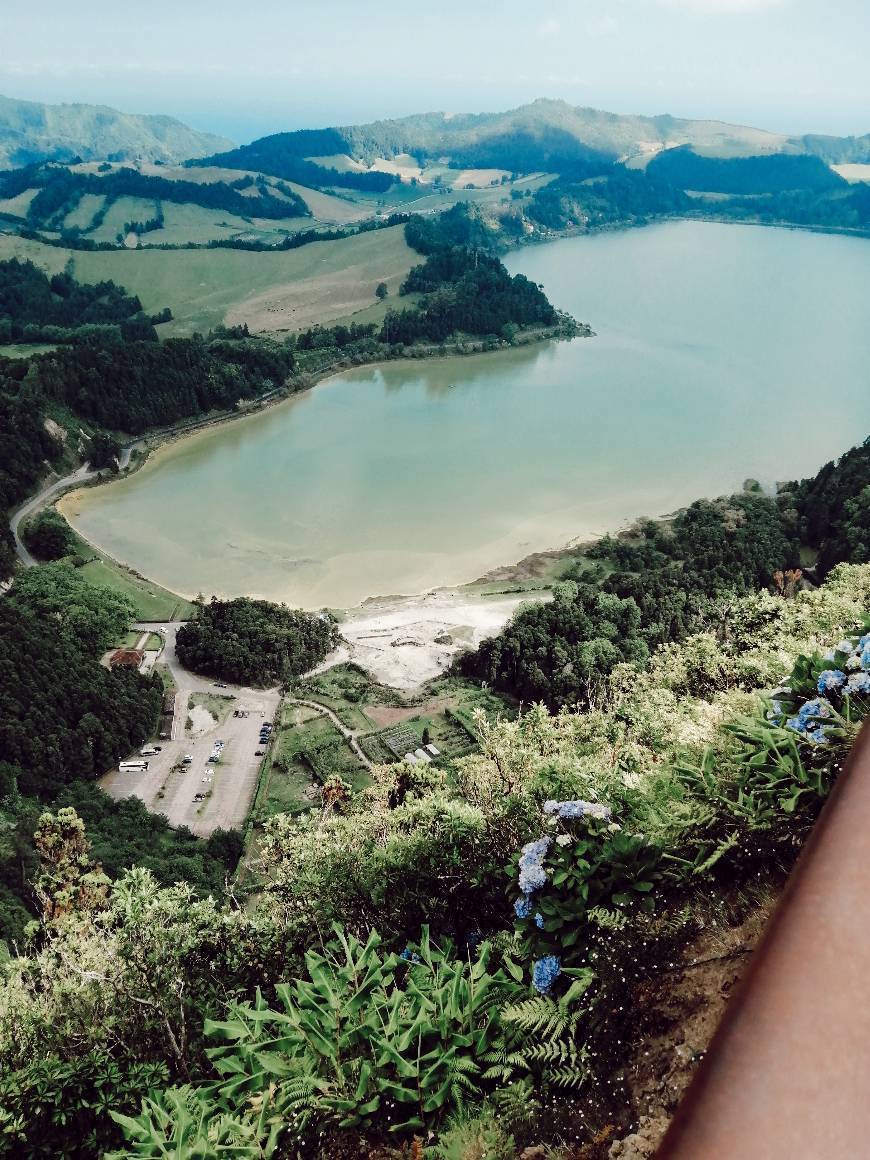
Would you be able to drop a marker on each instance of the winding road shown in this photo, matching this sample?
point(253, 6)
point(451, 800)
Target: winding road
point(32, 505)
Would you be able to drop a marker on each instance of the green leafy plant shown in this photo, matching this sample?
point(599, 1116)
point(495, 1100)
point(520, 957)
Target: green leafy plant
point(54, 1107)
point(586, 863)
point(187, 1123)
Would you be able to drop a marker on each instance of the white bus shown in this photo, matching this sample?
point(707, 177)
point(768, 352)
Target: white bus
point(133, 766)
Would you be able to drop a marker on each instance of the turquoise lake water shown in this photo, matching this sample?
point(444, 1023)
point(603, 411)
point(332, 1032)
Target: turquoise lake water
point(721, 352)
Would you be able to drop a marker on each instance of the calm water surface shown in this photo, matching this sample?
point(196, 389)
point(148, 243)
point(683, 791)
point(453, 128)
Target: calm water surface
point(722, 352)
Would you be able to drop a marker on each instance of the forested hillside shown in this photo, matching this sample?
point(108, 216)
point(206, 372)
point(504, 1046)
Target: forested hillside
point(667, 580)
point(60, 190)
point(532, 894)
point(36, 308)
point(776, 173)
point(31, 131)
point(285, 155)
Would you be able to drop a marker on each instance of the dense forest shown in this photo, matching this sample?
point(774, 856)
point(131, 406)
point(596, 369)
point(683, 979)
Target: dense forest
point(254, 642)
point(668, 580)
point(140, 385)
point(284, 155)
point(26, 446)
point(834, 510)
point(682, 168)
point(621, 196)
point(65, 720)
point(61, 189)
point(465, 287)
point(655, 588)
point(37, 308)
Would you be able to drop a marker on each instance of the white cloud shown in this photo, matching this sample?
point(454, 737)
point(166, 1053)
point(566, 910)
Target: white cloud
point(548, 28)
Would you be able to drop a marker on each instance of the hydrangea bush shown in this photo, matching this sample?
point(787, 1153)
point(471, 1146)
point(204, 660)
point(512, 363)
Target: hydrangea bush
point(826, 695)
point(585, 861)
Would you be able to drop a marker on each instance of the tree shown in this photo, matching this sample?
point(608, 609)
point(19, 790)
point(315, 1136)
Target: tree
point(381, 290)
point(48, 535)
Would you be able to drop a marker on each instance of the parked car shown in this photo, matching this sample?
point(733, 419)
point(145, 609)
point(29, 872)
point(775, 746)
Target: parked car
point(259, 753)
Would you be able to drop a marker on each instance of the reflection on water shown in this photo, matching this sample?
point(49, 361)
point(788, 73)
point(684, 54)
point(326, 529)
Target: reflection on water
point(723, 352)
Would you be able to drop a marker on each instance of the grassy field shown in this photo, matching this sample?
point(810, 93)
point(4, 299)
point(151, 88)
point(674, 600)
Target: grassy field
point(83, 214)
point(308, 750)
point(150, 600)
point(18, 205)
point(269, 291)
point(347, 689)
point(26, 349)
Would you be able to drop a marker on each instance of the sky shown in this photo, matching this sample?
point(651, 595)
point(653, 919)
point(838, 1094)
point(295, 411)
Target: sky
point(247, 69)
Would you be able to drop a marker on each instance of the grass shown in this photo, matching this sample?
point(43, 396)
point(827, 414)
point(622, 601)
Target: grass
point(26, 349)
point(128, 640)
point(83, 214)
point(320, 281)
point(308, 750)
point(346, 689)
point(214, 703)
point(150, 600)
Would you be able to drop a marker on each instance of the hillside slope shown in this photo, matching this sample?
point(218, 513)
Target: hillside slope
point(542, 135)
point(31, 131)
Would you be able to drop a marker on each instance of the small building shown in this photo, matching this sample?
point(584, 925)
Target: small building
point(433, 750)
point(411, 758)
point(422, 755)
point(126, 658)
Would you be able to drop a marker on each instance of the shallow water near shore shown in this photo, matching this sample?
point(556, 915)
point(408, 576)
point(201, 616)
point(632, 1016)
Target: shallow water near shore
point(722, 352)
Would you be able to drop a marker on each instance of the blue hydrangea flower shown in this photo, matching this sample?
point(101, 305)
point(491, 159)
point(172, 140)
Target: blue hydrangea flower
point(532, 873)
point(818, 708)
point(865, 656)
point(545, 972)
point(577, 809)
point(831, 679)
point(409, 956)
point(858, 683)
point(797, 724)
point(774, 713)
point(539, 920)
point(863, 642)
point(845, 646)
point(817, 735)
point(523, 906)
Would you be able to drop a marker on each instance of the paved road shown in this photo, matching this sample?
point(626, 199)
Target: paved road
point(27, 509)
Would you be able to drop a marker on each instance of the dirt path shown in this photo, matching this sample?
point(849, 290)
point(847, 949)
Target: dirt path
point(349, 735)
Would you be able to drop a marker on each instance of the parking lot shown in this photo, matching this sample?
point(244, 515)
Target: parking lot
point(170, 787)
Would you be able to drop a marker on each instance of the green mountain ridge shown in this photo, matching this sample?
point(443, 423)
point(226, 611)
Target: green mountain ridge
point(32, 131)
point(544, 134)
